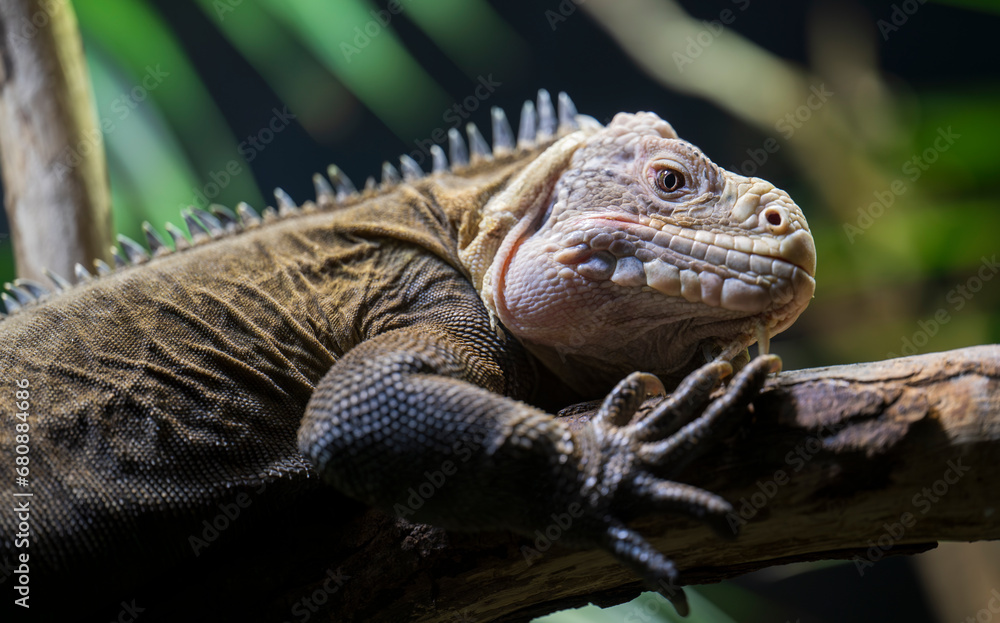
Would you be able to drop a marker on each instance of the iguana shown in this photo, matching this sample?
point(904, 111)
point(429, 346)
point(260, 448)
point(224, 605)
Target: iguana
point(372, 337)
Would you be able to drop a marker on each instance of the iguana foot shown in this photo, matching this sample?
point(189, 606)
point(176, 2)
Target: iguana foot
point(632, 448)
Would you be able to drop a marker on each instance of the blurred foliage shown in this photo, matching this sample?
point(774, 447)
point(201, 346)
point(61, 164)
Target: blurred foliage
point(217, 100)
point(648, 608)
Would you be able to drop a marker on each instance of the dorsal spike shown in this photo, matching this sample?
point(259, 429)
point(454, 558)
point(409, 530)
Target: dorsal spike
point(411, 170)
point(134, 252)
point(181, 241)
point(211, 223)
point(528, 127)
point(9, 303)
point(157, 245)
point(456, 149)
point(230, 222)
point(343, 184)
point(390, 175)
point(503, 136)
point(324, 191)
point(286, 205)
point(567, 114)
point(478, 147)
point(248, 216)
point(546, 116)
point(102, 268)
point(33, 288)
point(119, 258)
point(586, 121)
point(22, 296)
point(440, 161)
point(370, 184)
point(269, 215)
point(199, 233)
point(82, 274)
point(61, 283)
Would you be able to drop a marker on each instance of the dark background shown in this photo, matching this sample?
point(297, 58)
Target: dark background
point(939, 69)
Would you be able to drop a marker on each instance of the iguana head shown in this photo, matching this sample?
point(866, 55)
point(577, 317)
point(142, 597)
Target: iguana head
point(624, 248)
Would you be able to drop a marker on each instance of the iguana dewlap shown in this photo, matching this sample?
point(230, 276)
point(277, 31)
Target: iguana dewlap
point(370, 337)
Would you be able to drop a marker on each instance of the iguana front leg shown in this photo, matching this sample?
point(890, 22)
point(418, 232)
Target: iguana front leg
point(411, 411)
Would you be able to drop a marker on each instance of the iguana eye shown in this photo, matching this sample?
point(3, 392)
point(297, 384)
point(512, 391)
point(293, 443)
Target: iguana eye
point(669, 180)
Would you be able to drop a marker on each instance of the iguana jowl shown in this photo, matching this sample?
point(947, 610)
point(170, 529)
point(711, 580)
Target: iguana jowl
point(373, 336)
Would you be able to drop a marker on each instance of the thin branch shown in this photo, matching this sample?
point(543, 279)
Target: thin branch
point(853, 462)
point(57, 196)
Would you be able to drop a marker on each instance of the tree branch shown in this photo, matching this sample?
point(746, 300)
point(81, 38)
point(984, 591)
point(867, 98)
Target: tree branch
point(54, 173)
point(857, 461)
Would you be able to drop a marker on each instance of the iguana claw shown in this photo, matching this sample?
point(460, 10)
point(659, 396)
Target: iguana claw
point(634, 444)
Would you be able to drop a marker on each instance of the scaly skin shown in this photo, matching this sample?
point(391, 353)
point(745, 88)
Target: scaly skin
point(399, 329)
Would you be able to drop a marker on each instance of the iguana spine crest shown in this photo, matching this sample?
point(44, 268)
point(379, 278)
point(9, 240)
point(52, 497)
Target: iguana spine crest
point(538, 127)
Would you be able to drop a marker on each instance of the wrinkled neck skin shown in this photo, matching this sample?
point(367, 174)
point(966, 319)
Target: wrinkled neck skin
point(625, 248)
point(507, 216)
point(670, 351)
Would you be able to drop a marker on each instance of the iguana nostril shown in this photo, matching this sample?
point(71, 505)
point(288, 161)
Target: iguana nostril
point(775, 217)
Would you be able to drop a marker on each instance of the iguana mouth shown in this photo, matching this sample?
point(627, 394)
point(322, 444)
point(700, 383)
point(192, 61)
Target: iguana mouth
point(732, 271)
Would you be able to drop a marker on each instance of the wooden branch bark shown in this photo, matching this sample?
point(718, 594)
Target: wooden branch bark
point(858, 461)
point(54, 173)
